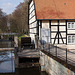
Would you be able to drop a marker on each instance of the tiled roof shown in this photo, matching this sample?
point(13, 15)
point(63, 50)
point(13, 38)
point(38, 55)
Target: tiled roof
point(55, 9)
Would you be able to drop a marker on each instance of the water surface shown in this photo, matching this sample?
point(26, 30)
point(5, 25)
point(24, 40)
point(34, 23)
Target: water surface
point(7, 62)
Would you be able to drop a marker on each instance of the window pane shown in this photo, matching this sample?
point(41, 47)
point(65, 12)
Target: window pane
point(72, 25)
point(69, 25)
point(69, 39)
point(73, 39)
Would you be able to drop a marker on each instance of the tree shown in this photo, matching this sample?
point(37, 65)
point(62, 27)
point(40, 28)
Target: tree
point(3, 21)
point(19, 18)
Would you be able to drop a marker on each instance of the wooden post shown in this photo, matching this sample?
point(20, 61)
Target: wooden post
point(15, 41)
point(66, 55)
point(56, 51)
point(36, 41)
point(11, 61)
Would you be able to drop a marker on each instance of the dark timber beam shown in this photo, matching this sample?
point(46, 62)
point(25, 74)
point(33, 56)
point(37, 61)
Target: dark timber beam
point(38, 28)
point(66, 32)
point(31, 11)
point(31, 17)
point(32, 22)
point(58, 31)
point(50, 29)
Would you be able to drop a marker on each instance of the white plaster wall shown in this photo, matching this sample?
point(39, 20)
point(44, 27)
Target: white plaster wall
point(31, 20)
point(63, 34)
point(32, 14)
point(60, 40)
point(33, 25)
point(31, 9)
point(71, 31)
point(32, 37)
point(55, 41)
point(62, 22)
point(54, 22)
point(33, 30)
point(45, 24)
point(62, 28)
point(31, 4)
point(53, 35)
point(54, 28)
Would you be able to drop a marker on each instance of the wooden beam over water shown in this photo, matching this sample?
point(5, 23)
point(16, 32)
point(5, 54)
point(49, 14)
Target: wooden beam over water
point(6, 49)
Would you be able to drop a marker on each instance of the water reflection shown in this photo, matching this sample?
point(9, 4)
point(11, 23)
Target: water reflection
point(7, 62)
point(30, 71)
point(7, 66)
point(27, 71)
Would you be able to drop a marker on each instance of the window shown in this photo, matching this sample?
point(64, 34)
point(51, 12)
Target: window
point(71, 39)
point(70, 25)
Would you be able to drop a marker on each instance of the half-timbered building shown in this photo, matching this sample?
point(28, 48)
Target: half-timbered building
point(53, 21)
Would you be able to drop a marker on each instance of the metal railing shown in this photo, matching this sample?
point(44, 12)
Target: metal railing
point(61, 53)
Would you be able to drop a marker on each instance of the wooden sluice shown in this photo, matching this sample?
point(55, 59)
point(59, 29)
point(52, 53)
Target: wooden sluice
point(27, 58)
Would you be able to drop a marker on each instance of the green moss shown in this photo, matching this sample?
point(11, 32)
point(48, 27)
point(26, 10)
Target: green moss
point(20, 36)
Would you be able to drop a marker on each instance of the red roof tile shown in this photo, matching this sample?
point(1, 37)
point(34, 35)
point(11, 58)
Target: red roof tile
point(55, 9)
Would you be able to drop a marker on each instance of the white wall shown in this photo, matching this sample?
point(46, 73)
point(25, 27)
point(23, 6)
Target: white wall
point(45, 24)
point(32, 18)
point(61, 28)
point(45, 32)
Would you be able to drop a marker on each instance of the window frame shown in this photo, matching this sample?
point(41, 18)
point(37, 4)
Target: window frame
point(70, 26)
point(71, 39)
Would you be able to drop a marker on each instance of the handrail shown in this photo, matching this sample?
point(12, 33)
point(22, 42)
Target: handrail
point(57, 51)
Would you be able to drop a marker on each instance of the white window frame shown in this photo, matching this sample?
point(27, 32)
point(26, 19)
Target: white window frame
point(70, 25)
point(71, 39)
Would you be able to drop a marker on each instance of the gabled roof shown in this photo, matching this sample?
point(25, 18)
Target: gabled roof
point(55, 9)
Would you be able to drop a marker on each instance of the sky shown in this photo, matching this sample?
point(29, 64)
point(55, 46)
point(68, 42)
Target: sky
point(8, 6)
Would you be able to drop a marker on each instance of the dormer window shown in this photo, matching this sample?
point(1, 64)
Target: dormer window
point(70, 25)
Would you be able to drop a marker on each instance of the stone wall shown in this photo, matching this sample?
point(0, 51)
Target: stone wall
point(52, 67)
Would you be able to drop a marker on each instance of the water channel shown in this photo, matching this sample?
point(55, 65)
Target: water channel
point(7, 66)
